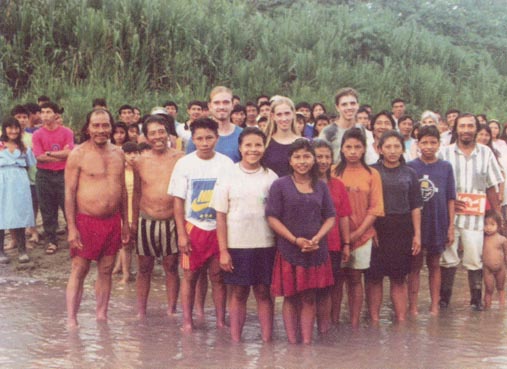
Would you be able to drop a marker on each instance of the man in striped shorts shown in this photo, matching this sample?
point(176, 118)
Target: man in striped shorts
point(155, 230)
point(477, 175)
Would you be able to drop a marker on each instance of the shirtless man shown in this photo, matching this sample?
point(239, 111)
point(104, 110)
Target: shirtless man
point(152, 211)
point(96, 205)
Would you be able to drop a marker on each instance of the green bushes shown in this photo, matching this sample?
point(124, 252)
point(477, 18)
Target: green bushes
point(146, 51)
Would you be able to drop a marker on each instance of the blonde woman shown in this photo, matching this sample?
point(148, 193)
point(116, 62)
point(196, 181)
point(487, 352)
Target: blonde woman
point(281, 133)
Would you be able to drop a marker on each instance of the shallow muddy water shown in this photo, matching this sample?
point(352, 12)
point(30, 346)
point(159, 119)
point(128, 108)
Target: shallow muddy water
point(34, 335)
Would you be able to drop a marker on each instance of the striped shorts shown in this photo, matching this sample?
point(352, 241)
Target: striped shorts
point(156, 237)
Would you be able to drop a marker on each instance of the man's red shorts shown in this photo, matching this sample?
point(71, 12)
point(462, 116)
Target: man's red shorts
point(99, 236)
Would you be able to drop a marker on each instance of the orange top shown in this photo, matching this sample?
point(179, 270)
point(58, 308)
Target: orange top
point(365, 196)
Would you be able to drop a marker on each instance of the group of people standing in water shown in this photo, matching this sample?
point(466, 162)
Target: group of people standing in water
point(287, 216)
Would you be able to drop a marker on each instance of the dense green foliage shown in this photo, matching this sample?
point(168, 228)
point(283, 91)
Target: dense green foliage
point(435, 54)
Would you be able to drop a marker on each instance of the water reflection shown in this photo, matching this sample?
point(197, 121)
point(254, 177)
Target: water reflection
point(34, 334)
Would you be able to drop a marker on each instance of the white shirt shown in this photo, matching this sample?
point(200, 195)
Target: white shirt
point(193, 180)
point(242, 195)
point(473, 174)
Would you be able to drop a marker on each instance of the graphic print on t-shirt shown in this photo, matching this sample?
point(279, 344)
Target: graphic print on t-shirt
point(428, 188)
point(202, 192)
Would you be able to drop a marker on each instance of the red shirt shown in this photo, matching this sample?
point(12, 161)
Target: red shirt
point(342, 206)
point(45, 140)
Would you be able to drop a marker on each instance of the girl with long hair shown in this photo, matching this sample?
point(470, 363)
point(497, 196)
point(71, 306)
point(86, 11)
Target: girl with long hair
point(364, 189)
point(16, 212)
point(398, 232)
point(302, 264)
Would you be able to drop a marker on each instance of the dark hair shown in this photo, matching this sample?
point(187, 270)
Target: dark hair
point(264, 103)
point(134, 126)
point(397, 100)
point(204, 123)
point(33, 108)
point(251, 103)
point(159, 119)
point(493, 121)
point(313, 117)
point(236, 97)
point(385, 136)
point(170, 103)
point(493, 214)
point(455, 128)
point(483, 116)
point(431, 131)
point(144, 146)
point(262, 96)
point(51, 105)
point(451, 111)
point(84, 130)
point(100, 101)
point(171, 124)
point(194, 102)
point(363, 109)
point(305, 144)
point(238, 108)
point(415, 128)
point(43, 98)
point(253, 131)
point(204, 105)
point(125, 107)
point(123, 126)
point(352, 133)
point(379, 114)
point(320, 117)
point(319, 143)
point(13, 122)
point(129, 147)
point(20, 109)
point(404, 118)
point(262, 119)
point(485, 127)
point(303, 104)
point(365, 106)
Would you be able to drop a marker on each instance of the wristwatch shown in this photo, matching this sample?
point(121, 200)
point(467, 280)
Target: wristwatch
point(48, 153)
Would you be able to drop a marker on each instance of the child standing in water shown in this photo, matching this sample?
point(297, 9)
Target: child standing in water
point(338, 239)
point(494, 258)
point(364, 189)
point(124, 260)
point(438, 192)
point(247, 244)
point(301, 212)
point(399, 231)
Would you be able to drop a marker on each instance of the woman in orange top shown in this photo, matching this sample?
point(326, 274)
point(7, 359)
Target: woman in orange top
point(364, 189)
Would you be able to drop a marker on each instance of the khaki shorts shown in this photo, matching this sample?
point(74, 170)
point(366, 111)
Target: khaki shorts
point(360, 257)
point(472, 242)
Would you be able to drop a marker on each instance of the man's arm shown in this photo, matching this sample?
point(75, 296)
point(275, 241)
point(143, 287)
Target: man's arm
point(493, 198)
point(72, 172)
point(136, 199)
point(125, 230)
point(179, 217)
point(54, 156)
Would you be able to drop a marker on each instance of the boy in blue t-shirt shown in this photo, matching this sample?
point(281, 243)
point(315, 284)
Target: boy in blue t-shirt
point(437, 224)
